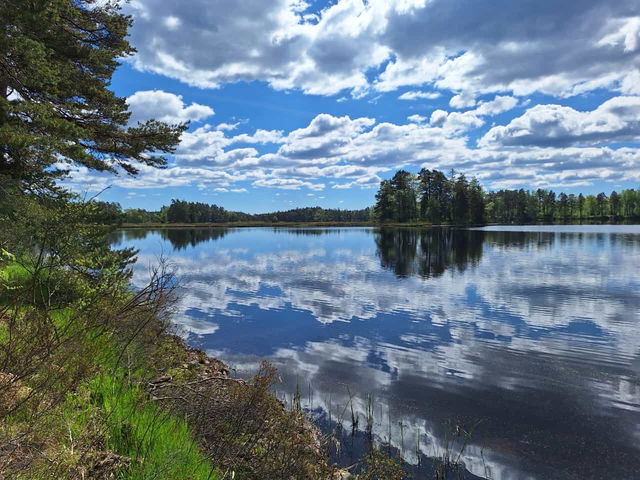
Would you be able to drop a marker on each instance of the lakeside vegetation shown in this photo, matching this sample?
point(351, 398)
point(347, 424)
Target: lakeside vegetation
point(432, 197)
point(426, 198)
point(181, 212)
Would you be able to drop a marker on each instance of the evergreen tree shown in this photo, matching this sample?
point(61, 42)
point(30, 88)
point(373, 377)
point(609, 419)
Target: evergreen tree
point(614, 204)
point(601, 204)
point(57, 58)
point(405, 196)
point(629, 202)
point(572, 202)
point(563, 205)
point(581, 203)
point(179, 212)
point(385, 208)
point(476, 203)
point(460, 213)
point(435, 192)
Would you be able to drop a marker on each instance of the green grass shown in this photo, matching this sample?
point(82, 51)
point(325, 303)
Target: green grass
point(111, 407)
point(17, 278)
point(4, 334)
point(159, 443)
point(14, 273)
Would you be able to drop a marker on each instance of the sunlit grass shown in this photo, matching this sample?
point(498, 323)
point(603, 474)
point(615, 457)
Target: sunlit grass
point(108, 405)
point(158, 443)
point(4, 334)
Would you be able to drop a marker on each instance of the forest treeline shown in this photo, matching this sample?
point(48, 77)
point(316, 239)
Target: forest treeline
point(180, 211)
point(430, 196)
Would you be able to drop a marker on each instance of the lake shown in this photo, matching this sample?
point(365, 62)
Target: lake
point(526, 337)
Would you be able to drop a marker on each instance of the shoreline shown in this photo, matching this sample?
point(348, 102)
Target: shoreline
point(162, 226)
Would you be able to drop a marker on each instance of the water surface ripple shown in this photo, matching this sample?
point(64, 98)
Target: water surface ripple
point(532, 333)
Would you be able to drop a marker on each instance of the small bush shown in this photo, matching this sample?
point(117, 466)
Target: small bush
point(377, 465)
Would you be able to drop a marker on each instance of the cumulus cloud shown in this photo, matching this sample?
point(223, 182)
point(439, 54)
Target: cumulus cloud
point(225, 127)
point(463, 100)
point(326, 137)
point(207, 145)
point(499, 104)
point(418, 95)
point(372, 181)
point(416, 118)
point(227, 190)
point(475, 47)
point(547, 146)
point(460, 122)
point(166, 107)
point(288, 184)
point(616, 120)
point(259, 136)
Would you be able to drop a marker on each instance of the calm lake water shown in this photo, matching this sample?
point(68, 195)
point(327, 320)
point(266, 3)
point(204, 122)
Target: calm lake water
point(530, 334)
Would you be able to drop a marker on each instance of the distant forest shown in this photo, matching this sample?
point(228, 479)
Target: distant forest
point(182, 212)
point(432, 197)
point(427, 197)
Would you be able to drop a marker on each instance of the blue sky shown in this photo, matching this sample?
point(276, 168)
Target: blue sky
point(296, 103)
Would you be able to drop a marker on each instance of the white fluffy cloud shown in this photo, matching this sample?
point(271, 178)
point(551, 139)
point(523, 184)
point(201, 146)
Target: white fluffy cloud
point(288, 184)
point(472, 47)
point(460, 122)
point(483, 56)
point(165, 107)
point(547, 146)
point(418, 95)
point(325, 138)
point(462, 100)
point(616, 120)
point(416, 118)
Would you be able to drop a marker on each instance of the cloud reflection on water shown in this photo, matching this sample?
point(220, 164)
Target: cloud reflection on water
point(534, 333)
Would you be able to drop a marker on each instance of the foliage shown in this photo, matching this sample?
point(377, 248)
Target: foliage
point(58, 239)
point(440, 199)
point(78, 349)
point(377, 465)
point(385, 208)
point(247, 430)
point(183, 212)
point(140, 215)
point(56, 63)
point(403, 187)
point(70, 381)
point(195, 212)
point(456, 200)
point(522, 206)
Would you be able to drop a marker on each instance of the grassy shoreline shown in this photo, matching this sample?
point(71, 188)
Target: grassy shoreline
point(95, 387)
